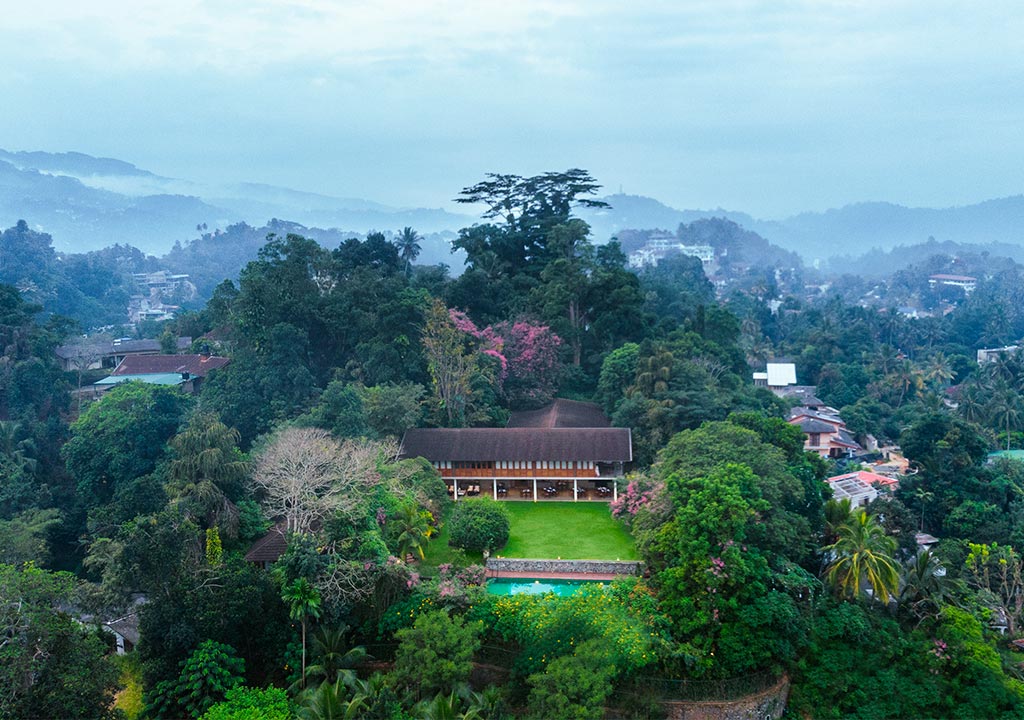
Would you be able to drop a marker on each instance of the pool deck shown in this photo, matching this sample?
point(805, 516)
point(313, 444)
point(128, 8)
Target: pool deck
point(514, 575)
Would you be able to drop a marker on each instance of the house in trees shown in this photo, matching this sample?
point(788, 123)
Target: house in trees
point(776, 376)
point(269, 548)
point(567, 450)
point(88, 354)
point(860, 487)
point(825, 433)
point(187, 371)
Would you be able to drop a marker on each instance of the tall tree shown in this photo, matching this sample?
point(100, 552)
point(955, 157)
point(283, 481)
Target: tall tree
point(452, 364)
point(303, 603)
point(862, 555)
point(408, 242)
point(207, 472)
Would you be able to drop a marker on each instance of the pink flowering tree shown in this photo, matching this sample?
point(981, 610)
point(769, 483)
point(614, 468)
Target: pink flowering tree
point(639, 492)
point(525, 352)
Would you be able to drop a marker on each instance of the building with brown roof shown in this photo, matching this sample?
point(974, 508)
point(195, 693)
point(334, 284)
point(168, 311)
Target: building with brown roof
point(266, 551)
point(566, 450)
point(193, 365)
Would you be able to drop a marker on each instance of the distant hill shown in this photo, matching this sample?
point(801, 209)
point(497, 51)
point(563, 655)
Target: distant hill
point(856, 228)
point(848, 231)
point(972, 258)
point(87, 203)
point(636, 212)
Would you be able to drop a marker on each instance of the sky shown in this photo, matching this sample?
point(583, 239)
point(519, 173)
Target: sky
point(771, 108)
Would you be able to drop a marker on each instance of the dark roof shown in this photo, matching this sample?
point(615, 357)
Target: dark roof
point(561, 413)
point(127, 627)
point(485, 444)
point(74, 350)
point(809, 425)
point(197, 365)
point(269, 547)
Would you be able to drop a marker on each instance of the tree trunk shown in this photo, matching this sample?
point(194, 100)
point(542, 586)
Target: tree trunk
point(303, 653)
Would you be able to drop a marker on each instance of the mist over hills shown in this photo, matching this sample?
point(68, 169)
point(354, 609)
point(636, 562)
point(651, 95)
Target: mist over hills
point(87, 203)
point(848, 231)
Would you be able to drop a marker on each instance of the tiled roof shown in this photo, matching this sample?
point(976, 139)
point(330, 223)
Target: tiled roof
point(562, 413)
point(810, 425)
point(195, 365)
point(127, 627)
point(486, 444)
point(269, 547)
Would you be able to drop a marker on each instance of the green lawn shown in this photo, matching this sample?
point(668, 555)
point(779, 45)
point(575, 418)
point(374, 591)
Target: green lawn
point(438, 553)
point(571, 531)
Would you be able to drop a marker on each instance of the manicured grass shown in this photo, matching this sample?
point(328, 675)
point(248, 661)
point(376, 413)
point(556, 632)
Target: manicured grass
point(571, 531)
point(438, 552)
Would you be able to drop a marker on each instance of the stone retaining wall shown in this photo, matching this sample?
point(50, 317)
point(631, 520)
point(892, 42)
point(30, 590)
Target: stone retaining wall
point(568, 567)
point(766, 705)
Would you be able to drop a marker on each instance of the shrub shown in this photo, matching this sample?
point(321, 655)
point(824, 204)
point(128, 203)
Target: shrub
point(246, 703)
point(436, 653)
point(479, 524)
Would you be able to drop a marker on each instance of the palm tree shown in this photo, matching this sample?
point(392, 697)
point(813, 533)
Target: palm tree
point(408, 247)
point(330, 701)
point(332, 654)
point(863, 555)
point(18, 451)
point(926, 585)
point(970, 405)
point(1006, 412)
point(837, 512)
point(442, 707)
point(938, 371)
point(304, 602)
point(416, 529)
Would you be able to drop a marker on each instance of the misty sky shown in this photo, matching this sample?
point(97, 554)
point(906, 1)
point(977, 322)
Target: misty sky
point(767, 107)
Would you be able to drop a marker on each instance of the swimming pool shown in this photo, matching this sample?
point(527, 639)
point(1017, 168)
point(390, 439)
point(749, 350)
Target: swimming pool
point(525, 586)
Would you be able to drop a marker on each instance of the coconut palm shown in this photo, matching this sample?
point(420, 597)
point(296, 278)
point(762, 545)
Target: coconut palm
point(862, 555)
point(1005, 410)
point(408, 246)
point(926, 586)
point(415, 529)
point(837, 512)
point(303, 602)
point(938, 371)
point(970, 404)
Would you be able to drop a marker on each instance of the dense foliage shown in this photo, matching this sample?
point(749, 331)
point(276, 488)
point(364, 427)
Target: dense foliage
point(151, 497)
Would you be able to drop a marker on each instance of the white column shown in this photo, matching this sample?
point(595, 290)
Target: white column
point(575, 490)
point(615, 489)
point(456, 487)
point(494, 486)
point(535, 489)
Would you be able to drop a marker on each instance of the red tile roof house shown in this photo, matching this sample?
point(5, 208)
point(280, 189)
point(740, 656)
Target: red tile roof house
point(860, 487)
point(564, 451)
point(191, 369)
point(826, 434)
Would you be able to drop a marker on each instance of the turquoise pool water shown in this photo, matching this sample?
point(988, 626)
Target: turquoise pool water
point(522, 586)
